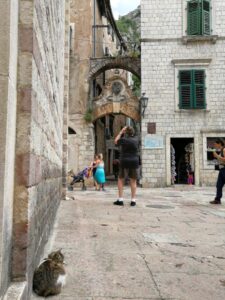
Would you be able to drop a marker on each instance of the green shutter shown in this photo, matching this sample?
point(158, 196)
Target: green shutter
point(192, 89)
point(194, 17)
point(199, 89)
point(198, 17)
point(206, 17)
point(185, 89)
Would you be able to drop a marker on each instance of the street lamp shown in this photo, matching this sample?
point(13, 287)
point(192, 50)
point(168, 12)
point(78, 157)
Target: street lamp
point(144, 104)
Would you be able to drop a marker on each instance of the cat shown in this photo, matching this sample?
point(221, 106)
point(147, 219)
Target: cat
point(50, 276)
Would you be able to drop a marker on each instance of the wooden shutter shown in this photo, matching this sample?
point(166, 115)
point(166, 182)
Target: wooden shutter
point(206, 28)
point(185, 89)
point(194, 17)
point(192, 89)
point(199, 88)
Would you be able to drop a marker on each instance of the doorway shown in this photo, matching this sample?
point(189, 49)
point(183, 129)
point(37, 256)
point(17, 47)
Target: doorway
point(182, 161)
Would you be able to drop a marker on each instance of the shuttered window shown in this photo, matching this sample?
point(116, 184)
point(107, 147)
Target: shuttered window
point(192, 89)
point(198, 17)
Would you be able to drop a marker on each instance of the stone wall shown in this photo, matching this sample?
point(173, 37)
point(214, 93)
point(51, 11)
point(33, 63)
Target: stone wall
point(81, 145)
point(8, 77)
point(39, 137)
point(164, 52)
point(66, 96)
point(81, 50)
point(83, 15)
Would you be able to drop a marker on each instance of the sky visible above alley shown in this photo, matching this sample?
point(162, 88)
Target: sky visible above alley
point(122, 7)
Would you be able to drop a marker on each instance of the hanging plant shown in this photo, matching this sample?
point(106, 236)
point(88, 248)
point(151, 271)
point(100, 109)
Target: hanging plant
point(88, 115)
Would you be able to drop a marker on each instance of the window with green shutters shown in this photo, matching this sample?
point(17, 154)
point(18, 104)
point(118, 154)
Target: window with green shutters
point(198, 17)
point(192, 89)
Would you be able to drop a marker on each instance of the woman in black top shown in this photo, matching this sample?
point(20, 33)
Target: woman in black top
point(129, 162)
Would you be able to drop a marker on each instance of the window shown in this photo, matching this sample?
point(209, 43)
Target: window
point(198, 17)
point(192, 89)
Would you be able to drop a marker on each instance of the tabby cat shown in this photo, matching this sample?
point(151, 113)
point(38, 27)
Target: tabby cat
point(50, 276)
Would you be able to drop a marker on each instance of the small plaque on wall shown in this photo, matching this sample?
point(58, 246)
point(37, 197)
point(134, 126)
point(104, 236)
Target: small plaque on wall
point(151, 128)
point(153, 142)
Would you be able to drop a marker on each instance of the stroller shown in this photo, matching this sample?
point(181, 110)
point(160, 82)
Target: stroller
point(80, 177)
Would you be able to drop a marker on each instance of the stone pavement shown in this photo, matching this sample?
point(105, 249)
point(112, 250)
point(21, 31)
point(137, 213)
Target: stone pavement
point(170, 246)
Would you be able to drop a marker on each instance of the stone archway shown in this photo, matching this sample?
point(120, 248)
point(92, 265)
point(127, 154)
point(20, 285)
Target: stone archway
point(116, 98)
point(99, 65)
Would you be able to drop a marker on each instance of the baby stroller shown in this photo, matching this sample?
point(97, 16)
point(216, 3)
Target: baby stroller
point(80, 177)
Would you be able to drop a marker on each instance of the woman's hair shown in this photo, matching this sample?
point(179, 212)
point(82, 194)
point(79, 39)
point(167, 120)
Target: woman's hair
point(130, 131)
point(219, 141)
point(100, 156)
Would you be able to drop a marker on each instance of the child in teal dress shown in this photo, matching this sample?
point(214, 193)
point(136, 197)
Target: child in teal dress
point(100, 172)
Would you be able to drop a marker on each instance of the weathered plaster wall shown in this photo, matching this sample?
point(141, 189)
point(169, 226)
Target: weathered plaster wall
point(81, 145)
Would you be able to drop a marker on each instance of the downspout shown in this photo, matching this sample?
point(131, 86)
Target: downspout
point(94, 42)
point(94, 37)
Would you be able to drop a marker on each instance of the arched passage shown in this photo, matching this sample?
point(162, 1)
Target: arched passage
point(99, 65)
point(116, 98)
point(114, 108)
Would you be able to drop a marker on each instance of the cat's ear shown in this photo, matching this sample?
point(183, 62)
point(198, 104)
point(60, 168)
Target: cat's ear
point(60, 250)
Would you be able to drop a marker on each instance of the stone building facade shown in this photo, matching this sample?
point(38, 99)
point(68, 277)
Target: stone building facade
point(183, 76)
point(93, 35)
point(33, 63)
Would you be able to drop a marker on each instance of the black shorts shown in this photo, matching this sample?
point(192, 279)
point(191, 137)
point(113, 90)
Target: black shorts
point(131, 173)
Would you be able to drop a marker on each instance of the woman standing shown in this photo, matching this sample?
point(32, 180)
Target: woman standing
point(100, 172)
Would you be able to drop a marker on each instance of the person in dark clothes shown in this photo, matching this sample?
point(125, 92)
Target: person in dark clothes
point(219, 145)
point(93, 167)
point(129, 162)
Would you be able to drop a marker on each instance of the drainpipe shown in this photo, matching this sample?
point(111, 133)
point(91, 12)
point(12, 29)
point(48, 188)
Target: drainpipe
point(94, 38)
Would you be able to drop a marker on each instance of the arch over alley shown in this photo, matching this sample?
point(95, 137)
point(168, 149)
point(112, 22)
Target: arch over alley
point(116, 98)
point(99, 65)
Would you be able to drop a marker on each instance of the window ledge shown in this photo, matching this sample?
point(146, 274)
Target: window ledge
point(199, 38)
point(194, 110)
point(209, 167)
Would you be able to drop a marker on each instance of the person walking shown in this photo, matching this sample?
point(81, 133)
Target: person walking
point(219, 145)
point(129, 163)
point(100, 172)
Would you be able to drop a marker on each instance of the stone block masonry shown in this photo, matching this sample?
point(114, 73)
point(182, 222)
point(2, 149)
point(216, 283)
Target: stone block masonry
point(165, 51)
point(8, 100)
point(39, 136)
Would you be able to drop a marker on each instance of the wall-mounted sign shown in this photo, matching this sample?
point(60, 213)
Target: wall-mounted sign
point(151, 128)
point(153, 142)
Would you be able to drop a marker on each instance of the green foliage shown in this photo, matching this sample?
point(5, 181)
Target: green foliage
point(88, 115)
point(136, 86)
point(134, 54)
point(128, 28)
point(124, 24)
